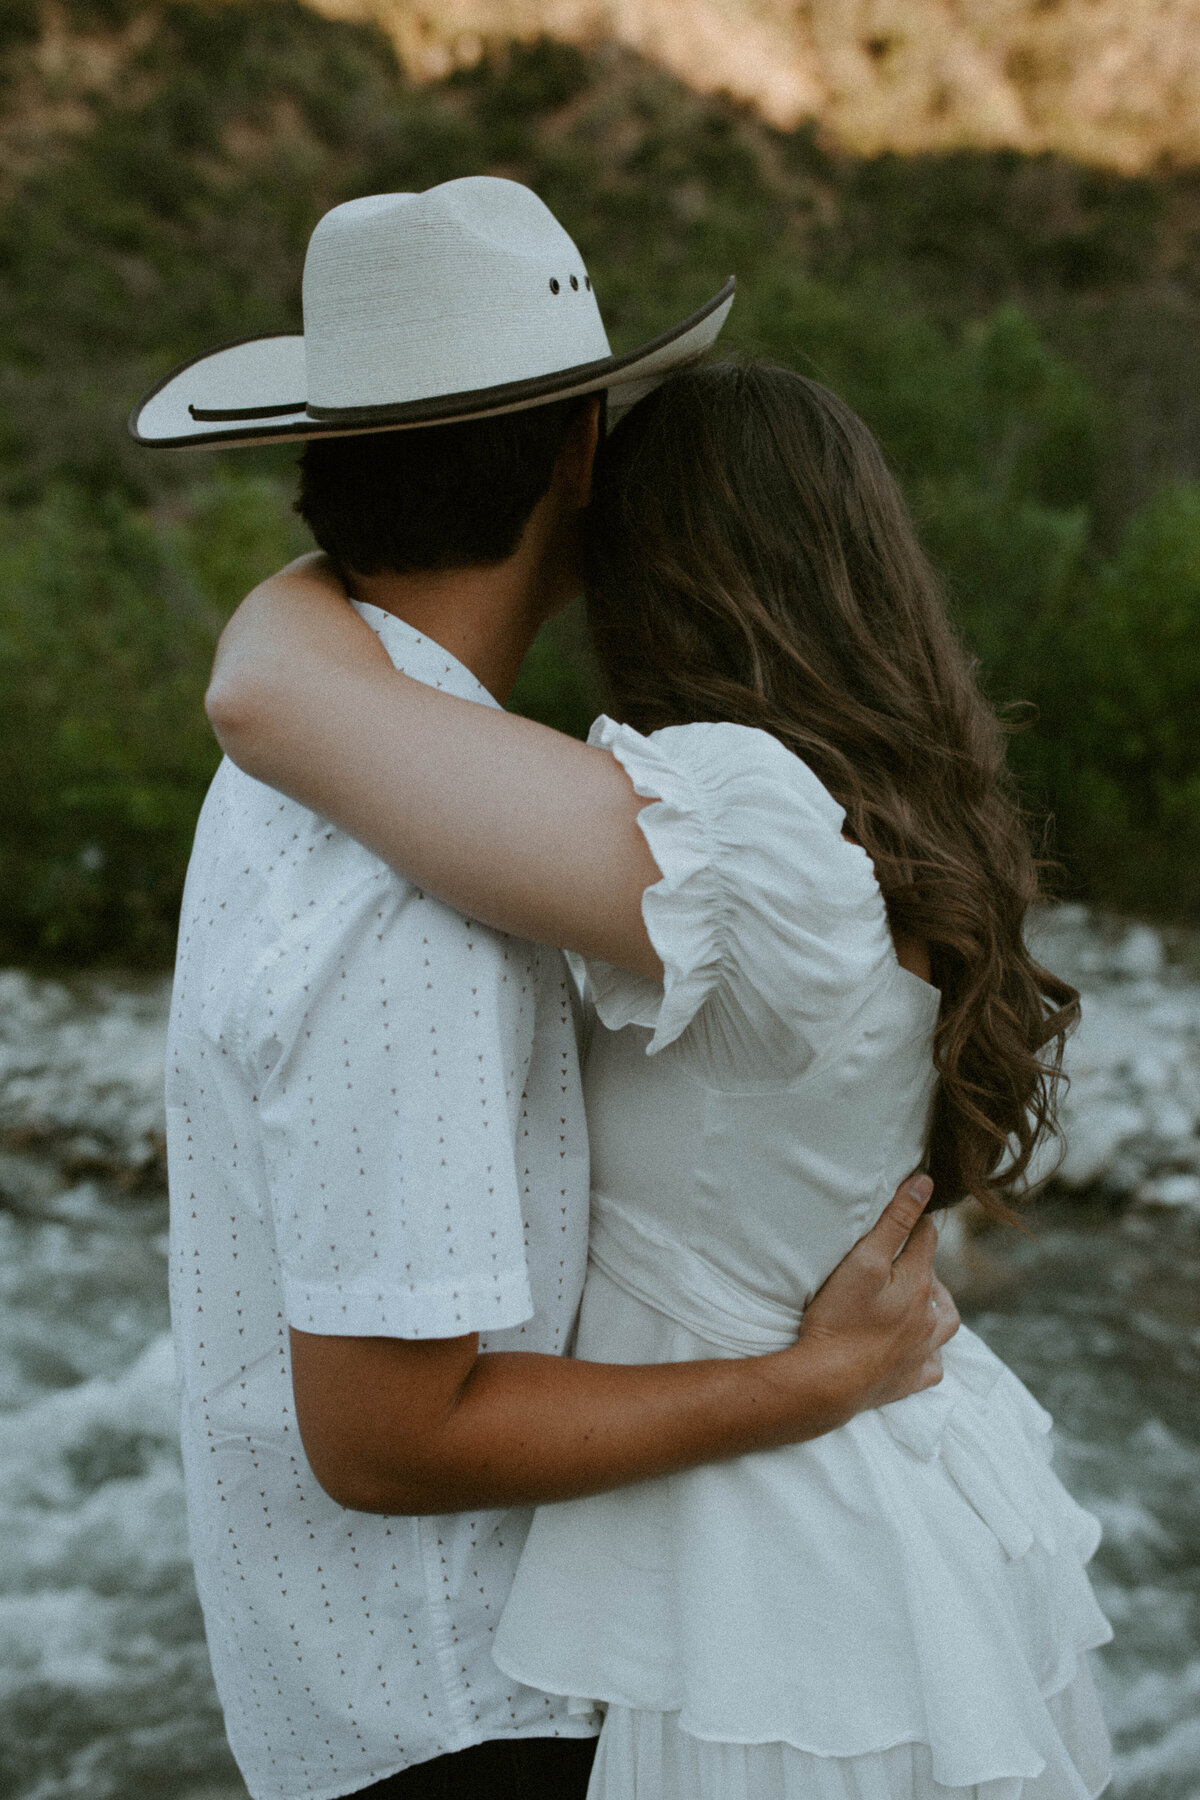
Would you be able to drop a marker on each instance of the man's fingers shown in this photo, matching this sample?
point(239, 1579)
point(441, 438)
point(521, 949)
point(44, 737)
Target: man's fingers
point(901, 1214)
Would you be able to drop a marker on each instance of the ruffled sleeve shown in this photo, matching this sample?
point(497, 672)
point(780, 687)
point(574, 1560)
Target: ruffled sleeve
point(765, 915)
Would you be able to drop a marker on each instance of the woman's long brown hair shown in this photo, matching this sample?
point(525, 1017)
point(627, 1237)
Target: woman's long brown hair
point(750, 558)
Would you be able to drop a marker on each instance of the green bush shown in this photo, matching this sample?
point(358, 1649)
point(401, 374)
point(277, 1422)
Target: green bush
point(108, 619)
point(109, 616)
point(996, 319)
point(1126, 750)
point(558, 684)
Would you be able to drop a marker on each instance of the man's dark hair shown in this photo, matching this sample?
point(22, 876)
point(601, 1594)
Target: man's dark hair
point(433, 497)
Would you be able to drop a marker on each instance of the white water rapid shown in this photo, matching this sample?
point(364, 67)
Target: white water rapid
point(104, 1686)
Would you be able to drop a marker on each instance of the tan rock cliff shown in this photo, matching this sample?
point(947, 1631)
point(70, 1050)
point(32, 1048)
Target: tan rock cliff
point(1115, 82)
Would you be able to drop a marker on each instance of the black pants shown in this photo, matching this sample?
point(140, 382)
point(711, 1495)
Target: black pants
point(536, 1768)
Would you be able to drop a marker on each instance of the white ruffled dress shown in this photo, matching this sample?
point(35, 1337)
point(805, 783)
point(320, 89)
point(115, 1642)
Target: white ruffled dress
point(897, 1610)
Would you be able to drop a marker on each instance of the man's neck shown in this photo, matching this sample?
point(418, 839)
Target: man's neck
point(477, 615)
point(488, 616)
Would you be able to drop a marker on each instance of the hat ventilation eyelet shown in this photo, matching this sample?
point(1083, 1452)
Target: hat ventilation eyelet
point(587, 282)
point(575, 282)
point(554, 284)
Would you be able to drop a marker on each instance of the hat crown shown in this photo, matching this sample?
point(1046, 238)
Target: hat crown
point(458, 303)
point(466, 286)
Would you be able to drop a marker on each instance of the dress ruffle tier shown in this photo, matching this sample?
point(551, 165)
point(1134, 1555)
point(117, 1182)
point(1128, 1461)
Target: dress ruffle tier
point(731, 917)
point(902, 1600)
point(642, 1752)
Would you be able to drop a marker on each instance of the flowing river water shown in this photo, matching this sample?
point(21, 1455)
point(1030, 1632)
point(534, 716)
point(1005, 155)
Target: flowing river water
point(105, 1691)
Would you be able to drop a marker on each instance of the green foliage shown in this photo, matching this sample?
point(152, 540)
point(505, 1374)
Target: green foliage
point(1021, 334)
point(558, 684)
point(1129, 769)
point(108, 619)
point(20, 24)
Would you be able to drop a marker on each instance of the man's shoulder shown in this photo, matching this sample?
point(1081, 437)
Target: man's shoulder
point(261, 867)
point(251, 838)
point(275, 894)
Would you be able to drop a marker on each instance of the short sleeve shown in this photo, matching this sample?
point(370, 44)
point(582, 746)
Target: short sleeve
point(392, 1038)
point(765, 916)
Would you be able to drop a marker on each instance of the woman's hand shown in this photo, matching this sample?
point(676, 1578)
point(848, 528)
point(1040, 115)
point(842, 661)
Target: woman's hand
point(880, 1320)
point(511, 823)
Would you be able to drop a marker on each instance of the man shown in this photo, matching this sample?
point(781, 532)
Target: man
point(377, 1146)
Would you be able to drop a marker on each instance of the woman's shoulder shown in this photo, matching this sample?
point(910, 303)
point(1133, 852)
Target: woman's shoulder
point(743, 776)
point(762, 901)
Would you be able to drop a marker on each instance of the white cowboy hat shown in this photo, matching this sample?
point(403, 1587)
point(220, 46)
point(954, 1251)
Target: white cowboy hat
point(466, 300)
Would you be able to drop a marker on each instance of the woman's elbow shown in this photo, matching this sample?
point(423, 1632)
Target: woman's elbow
point(236, 709)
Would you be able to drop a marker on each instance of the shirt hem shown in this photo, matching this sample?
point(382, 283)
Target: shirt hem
point(352, 1310)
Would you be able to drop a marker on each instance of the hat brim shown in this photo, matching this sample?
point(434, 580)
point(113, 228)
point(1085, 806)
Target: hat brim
point(268, 373)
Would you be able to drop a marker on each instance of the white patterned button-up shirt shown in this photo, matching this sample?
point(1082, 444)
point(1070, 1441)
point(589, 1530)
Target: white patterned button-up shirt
point(375, 1128)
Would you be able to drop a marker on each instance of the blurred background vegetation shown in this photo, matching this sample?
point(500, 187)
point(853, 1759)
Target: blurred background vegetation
point(1022, 333)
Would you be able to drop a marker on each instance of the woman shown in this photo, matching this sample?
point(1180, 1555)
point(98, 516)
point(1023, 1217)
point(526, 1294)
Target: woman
point(825, 966)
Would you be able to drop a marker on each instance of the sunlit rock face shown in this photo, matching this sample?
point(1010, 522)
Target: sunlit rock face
point(1105, 81)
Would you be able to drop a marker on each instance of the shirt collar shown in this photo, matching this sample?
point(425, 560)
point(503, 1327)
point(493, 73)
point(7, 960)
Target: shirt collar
point(419, 656)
